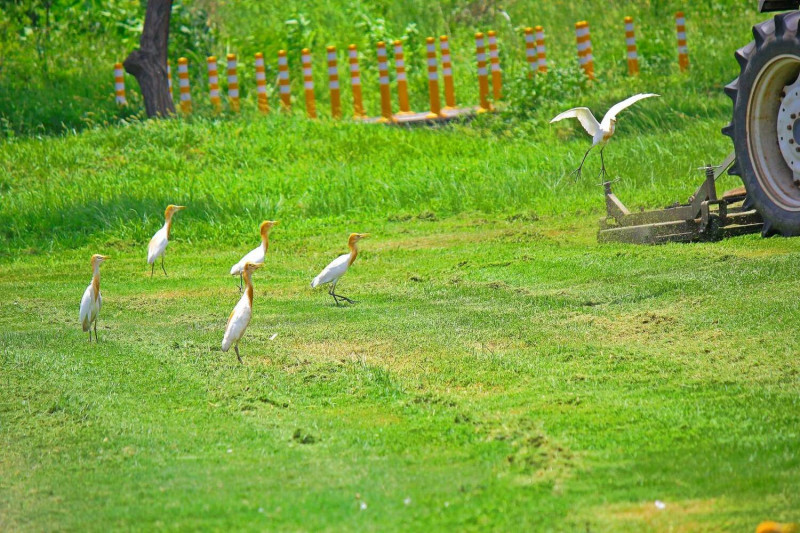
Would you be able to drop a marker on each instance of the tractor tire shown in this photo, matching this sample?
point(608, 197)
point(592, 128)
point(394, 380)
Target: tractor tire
point(766, 123)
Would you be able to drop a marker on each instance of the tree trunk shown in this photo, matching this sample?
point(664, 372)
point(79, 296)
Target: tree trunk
point(148, 64)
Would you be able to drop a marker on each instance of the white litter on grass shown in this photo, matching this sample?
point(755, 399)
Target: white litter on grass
point(407, 501)
point(447, 504)
point(363, 506)
point(230, 450)
point(660, 505)
point(272, 338)
point(260, 509)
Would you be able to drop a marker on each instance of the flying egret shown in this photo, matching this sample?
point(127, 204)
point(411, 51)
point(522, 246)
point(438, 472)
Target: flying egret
point(240, 316)
point(337, 268)
point(158, 244)
point(256, 255)
point(92, 300)
point(601, 132)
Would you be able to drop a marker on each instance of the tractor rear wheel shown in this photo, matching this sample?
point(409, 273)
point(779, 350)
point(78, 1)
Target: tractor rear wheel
point(766, 123)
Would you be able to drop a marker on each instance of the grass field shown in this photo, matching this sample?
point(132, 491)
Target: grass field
point(500, 371)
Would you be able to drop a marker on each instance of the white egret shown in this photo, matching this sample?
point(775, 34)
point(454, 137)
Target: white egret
point(158, 244)
point(240, 316)
point(337, 268)
point(92, 300)
point(601, 132)
point(256, 255)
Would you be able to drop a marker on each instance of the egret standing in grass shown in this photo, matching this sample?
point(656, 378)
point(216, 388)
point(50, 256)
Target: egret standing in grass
point(601, 132)
point(158, 244)
point(256, 255)
point(92, 300)
point(337, 268)
point(240, 316)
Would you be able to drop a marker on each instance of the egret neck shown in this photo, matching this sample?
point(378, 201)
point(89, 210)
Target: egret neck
point(96, 278)
point(351, 243)
point(248, 285)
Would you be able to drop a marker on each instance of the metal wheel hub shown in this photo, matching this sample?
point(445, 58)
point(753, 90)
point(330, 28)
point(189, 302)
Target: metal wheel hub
point(788, 124)
point(771, 143)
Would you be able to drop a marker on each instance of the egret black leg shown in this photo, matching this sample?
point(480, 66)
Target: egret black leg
point(580, 167)
point(236, 348)
point(162, 265)
point(95, 331)
point(602, 163)
point(90, 334)
point(153, 269)
point(335, 298)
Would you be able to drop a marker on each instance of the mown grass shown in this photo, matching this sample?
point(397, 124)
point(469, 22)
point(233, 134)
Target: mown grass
point(501, 369)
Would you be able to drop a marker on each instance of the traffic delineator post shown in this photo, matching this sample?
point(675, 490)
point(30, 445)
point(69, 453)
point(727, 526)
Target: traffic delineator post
point(213, 84)
point(383, 80)
point(433, 79)
point(183, 85)
point(308, 84)
point(119, 85)
point(261, 84)
point(283, 81)
point(494, 64)
point(630, 44)
point(483, 73)
point(683, 49)
point(355, 82)
point(447, 74)
point(233, 83)
point(530, 51)
point(541, 49)
point(584, 45)
point(402, 82)
point(333, 83)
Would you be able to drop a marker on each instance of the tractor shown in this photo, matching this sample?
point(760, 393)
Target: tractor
point(765, 130)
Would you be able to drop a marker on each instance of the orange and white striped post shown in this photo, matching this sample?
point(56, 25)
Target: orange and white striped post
point(183, 85)
point(494, 62)
point(333, 83)
point(530, 50)
point(308, 84)
point(119, 85)
point(233, 83)
point(584, 40)
point(213, 83)
point(355, 82)
point(630, 43)
point(383, 79)
point(169, 80)
point(541, 49)
point(433, 79)
point(283, 80)
point(402, 83)
point(683, 49)
point(483, 73)
point(447, 74)
point(261, 84)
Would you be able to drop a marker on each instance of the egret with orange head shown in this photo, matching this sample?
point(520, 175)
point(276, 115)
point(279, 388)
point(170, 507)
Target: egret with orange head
point(256, 255)
point(92, 300)
point(337, 268)
point(241, 314)
point(158, 244)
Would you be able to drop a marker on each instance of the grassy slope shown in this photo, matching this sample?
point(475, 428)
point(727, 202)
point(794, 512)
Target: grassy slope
point(499, 370)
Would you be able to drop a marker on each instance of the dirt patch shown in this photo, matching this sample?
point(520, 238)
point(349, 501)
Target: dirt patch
point(681, 516)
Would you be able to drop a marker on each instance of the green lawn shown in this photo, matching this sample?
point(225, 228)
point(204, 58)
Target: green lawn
point(501, 369)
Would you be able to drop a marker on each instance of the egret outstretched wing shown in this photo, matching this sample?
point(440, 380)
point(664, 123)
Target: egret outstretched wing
point(585, 116)
point(615, 109)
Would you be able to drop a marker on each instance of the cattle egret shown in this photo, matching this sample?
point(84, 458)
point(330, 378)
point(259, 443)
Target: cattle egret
point(92, 300)
point(158, 244)
point(255, 255)
point(601, 132)
point(337, 268)
point(240, 316)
